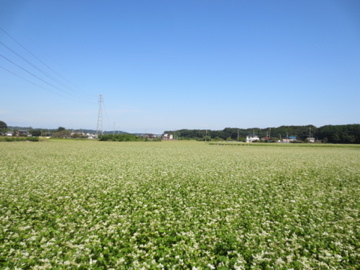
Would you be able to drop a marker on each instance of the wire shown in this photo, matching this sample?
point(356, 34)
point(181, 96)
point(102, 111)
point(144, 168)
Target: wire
point(31, 64)
point(70, 90)
point(31, 81)
point(32, 74)
point(38, 60)
point(105, 110)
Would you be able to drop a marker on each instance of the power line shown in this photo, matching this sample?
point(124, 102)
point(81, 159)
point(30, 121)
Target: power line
point(31, 64)
point(105, 110)
point(68, 93)
point(32, 74)
point(37, 58)
point(37, 68)
point(17, 75)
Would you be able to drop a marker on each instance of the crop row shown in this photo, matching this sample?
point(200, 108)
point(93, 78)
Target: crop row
point(178, 205)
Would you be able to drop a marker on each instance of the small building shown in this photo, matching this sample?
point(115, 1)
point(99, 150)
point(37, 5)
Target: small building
point(311, 140)
point(252, 138)
point(23, 133)
point(149, 136)
point(167, 136)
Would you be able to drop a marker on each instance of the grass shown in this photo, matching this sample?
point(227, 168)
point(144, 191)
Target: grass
point(178, 205)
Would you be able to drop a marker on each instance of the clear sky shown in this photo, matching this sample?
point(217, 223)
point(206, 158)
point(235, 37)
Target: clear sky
point(166, 65)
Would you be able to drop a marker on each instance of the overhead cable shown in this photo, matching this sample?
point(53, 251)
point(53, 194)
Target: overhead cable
point(37, 58)
point(32, 74)
point(69, 92)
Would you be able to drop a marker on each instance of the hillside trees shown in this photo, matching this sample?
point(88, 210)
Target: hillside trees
point(340, 133)
point(3, 126)
point(62, 133)
point(329, 133)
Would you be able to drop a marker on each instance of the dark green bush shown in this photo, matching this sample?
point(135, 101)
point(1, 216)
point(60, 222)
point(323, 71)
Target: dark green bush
point(119, 137)
point(19, 139)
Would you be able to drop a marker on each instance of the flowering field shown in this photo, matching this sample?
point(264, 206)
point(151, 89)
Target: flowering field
point(178, 205)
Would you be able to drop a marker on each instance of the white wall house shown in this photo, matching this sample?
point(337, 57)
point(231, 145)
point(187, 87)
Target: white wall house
point(167, 136)
point(252, 138)
point(311, 139)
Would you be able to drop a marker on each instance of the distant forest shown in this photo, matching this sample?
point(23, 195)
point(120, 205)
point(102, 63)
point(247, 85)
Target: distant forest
point(325, 134)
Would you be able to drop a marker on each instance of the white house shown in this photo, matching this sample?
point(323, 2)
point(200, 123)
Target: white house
point(167, 136)
point(252, 138)
point(311, 139)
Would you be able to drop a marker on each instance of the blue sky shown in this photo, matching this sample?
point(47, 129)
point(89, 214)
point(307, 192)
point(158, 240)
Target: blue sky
point(166, 65)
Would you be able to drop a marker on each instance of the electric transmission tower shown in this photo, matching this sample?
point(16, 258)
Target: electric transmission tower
point(99, 128)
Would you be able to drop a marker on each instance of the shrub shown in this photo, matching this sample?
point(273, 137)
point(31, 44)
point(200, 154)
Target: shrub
point(119, 137)
point(19, 139)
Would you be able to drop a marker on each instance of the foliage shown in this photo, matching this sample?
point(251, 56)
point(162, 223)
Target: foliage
point(3, 126)
point(301, 132)
point(35, 132)
point(332, 134)
point(19, 139)
point(62, 134)
point(77, 135)
point(120, 137)
point(205, 138)
point(178, 205)
point(340, 134)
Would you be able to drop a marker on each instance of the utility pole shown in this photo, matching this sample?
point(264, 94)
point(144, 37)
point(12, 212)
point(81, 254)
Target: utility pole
point(99, 127)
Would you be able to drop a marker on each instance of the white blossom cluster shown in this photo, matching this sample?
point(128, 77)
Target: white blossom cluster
point(178, 205)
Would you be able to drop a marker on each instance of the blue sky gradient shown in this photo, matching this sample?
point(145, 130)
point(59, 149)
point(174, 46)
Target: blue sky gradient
point(166, 65)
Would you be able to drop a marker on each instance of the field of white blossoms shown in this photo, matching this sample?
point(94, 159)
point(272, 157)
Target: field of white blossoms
point(178, 205)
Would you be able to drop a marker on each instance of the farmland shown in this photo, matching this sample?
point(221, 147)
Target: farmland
point(178, 205)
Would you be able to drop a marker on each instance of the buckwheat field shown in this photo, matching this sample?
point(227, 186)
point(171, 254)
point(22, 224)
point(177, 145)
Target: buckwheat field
point(178, 205)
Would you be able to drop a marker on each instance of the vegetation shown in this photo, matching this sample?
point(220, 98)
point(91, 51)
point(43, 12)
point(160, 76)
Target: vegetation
point(330, 134)
point(340, 134)
point(346, 134)
point(19, 139)
point(35, 132)
point(119, 137)
point(62, 134)
point(70, 204)
point(124, 138)
point(3, 126)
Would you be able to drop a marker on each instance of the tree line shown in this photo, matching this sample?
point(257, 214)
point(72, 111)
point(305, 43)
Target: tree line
point(325, 134)
point(126, 138)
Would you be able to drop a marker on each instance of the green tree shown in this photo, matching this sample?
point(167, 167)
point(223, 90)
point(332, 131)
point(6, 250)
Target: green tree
point(35, 132)
point(3, 126)
point(62, 134)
